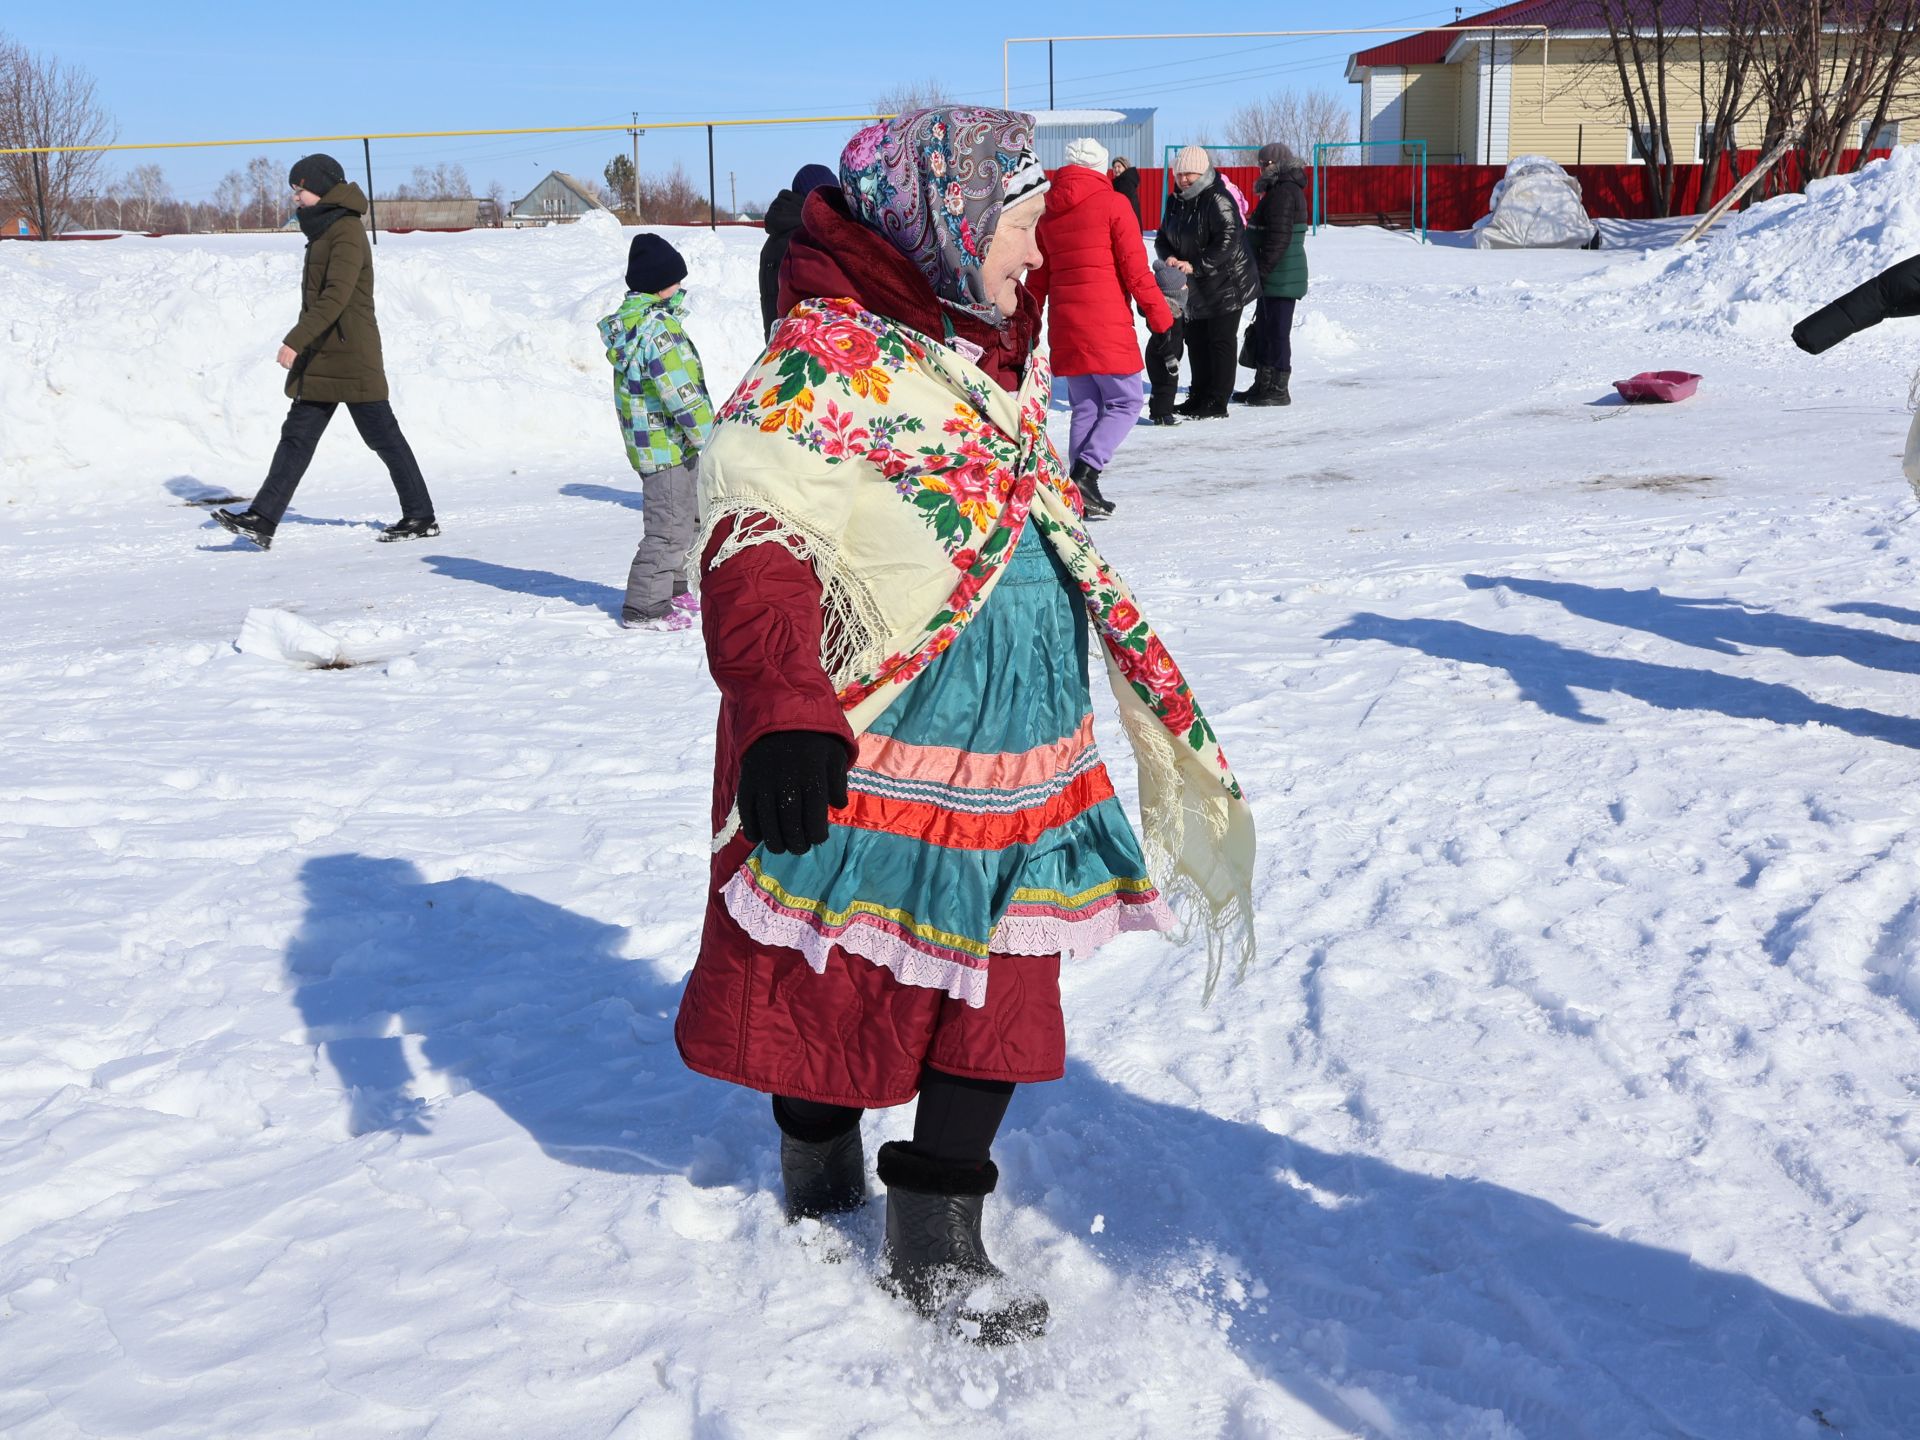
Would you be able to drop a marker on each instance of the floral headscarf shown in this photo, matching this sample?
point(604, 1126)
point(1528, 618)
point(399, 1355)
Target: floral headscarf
point(935, 183)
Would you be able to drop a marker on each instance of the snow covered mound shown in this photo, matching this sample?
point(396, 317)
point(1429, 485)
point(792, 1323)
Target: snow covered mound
point(1757, 273)
point(131, 362)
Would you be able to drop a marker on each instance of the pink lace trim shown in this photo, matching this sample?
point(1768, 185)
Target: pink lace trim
point(766, 922)
point(1047, 933)
point(1039, 933)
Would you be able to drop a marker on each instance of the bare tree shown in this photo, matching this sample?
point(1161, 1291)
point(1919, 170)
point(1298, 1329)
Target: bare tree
point(1830, 72)
point(912, 95)
point(672, 199)
point(230, 199)
point(439, 182)
point(264, 190)
point(148, 189)
point(496, 203)
point(45, 104)
point(1298, 119)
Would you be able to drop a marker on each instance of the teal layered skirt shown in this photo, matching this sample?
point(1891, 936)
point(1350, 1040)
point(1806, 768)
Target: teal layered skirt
point(981, 817)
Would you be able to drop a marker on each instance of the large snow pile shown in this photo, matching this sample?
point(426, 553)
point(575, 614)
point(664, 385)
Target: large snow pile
point(1757, 273)
point(127, 362)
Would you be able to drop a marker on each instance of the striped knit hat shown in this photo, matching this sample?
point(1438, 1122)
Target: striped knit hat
point(936, 182)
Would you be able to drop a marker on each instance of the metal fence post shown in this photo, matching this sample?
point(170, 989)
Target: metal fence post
point(713, 208)
point(373, 220)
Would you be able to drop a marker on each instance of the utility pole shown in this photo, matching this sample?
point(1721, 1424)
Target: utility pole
point(733, 194)
point(634, 199)
point(1049, 74)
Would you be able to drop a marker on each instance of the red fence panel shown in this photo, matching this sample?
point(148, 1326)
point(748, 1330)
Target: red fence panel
point(1458, 195)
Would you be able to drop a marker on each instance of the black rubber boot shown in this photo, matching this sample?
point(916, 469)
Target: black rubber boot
point(248, 526)
point(936, 1260)
point(1272, 388)
point(410, 530)
point(823, 1173)
point(1088, 479)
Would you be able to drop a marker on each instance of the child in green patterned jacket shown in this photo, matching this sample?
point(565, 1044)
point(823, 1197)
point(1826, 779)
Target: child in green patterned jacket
point(660, 391)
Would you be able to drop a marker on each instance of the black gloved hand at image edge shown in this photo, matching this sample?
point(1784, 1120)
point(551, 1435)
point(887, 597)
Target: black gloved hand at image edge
point(789, 781)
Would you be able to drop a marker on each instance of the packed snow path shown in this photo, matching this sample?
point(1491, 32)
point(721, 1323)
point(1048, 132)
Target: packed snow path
point(1573, 1093)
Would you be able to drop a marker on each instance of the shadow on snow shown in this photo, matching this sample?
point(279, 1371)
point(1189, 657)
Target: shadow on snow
point(1403, 1284)
point(631, 499)
point(1548, 674)
point(1723, 625)
point(542, 583)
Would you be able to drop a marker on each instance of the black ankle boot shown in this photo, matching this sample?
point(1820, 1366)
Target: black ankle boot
point(248, 526)
point(1088, 479)
point(1272, 388)
point(1246, 396)
point(822, 1174)
point(421, 528)
point(936, 1260)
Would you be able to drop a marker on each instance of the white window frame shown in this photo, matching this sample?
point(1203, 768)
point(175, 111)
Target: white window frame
point(1891, 125)
point(1700, 133)
point(1634, 157)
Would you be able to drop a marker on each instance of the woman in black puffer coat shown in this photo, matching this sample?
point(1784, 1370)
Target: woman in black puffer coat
point(1202, 234)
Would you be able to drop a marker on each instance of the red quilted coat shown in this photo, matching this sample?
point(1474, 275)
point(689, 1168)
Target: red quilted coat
point(1095, 259)
point(756, 1014)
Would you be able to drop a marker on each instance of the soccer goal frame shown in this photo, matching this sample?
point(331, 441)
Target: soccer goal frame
point(1416, 185)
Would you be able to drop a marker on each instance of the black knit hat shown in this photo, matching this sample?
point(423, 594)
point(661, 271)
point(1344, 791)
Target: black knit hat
point(318, 173)
point(653, 265)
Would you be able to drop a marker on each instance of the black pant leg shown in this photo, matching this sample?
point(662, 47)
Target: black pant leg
point(1225, 338)
point(306, 422)
point(811, 1122)
point(1199, 361)
point(1275, 319)
point(957, 1118)
point(375, 421)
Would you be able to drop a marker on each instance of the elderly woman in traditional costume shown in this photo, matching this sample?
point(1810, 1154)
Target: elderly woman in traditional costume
point(914, 826)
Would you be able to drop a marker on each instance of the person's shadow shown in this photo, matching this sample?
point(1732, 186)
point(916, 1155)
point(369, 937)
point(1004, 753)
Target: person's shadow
point(631, 499)
point(1548, 674)
point(1422, 1286)
point(544, 584)
point(525, 1002)
point(1718, 624)
point(1419, 1285)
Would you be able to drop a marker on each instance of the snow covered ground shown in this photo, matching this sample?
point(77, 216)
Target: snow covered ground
point(1573, 1094)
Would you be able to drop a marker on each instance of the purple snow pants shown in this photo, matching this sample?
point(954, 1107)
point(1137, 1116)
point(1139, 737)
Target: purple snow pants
point(1104, 409)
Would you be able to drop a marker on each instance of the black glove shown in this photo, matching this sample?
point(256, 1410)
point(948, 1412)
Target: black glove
point(787, 782)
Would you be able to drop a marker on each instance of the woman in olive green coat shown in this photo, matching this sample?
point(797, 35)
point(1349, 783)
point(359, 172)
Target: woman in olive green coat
point(332, 358)
point(1278, 229)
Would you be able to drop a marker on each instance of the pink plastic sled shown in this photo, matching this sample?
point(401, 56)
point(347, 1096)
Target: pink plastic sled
point(1658, 386)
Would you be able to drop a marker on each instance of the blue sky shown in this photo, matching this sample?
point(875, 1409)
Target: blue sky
point(215, 71)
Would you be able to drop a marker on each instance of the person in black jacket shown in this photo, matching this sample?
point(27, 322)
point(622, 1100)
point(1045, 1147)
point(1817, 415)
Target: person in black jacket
point(1126, 181)
point(783, 218)
point(1893, 294)
point(1202, 234)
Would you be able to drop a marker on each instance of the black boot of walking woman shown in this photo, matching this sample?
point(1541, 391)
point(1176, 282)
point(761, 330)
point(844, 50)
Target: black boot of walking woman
point(823, 1165)
point(936, 1260)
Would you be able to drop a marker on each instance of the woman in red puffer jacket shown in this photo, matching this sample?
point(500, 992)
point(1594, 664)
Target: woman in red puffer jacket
point(1095, 260)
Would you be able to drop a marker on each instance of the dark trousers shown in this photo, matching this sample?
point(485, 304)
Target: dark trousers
point(956, 1120)
point(307, 422)
point(1273, 333)
point(1212, 345)
point(1164, 353)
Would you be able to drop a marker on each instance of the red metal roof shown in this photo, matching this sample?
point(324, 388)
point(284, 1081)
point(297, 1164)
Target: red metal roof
point(1431, 46)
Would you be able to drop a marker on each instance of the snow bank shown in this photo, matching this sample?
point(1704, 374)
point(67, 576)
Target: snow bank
point(1757, 273)
point(128, 363)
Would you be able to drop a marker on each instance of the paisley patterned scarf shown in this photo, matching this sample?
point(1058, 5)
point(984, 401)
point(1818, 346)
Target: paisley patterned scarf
point(935, 183)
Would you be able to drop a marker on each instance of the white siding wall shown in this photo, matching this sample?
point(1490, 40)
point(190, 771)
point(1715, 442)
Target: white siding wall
point(1383, 116)
point(1492, 124)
